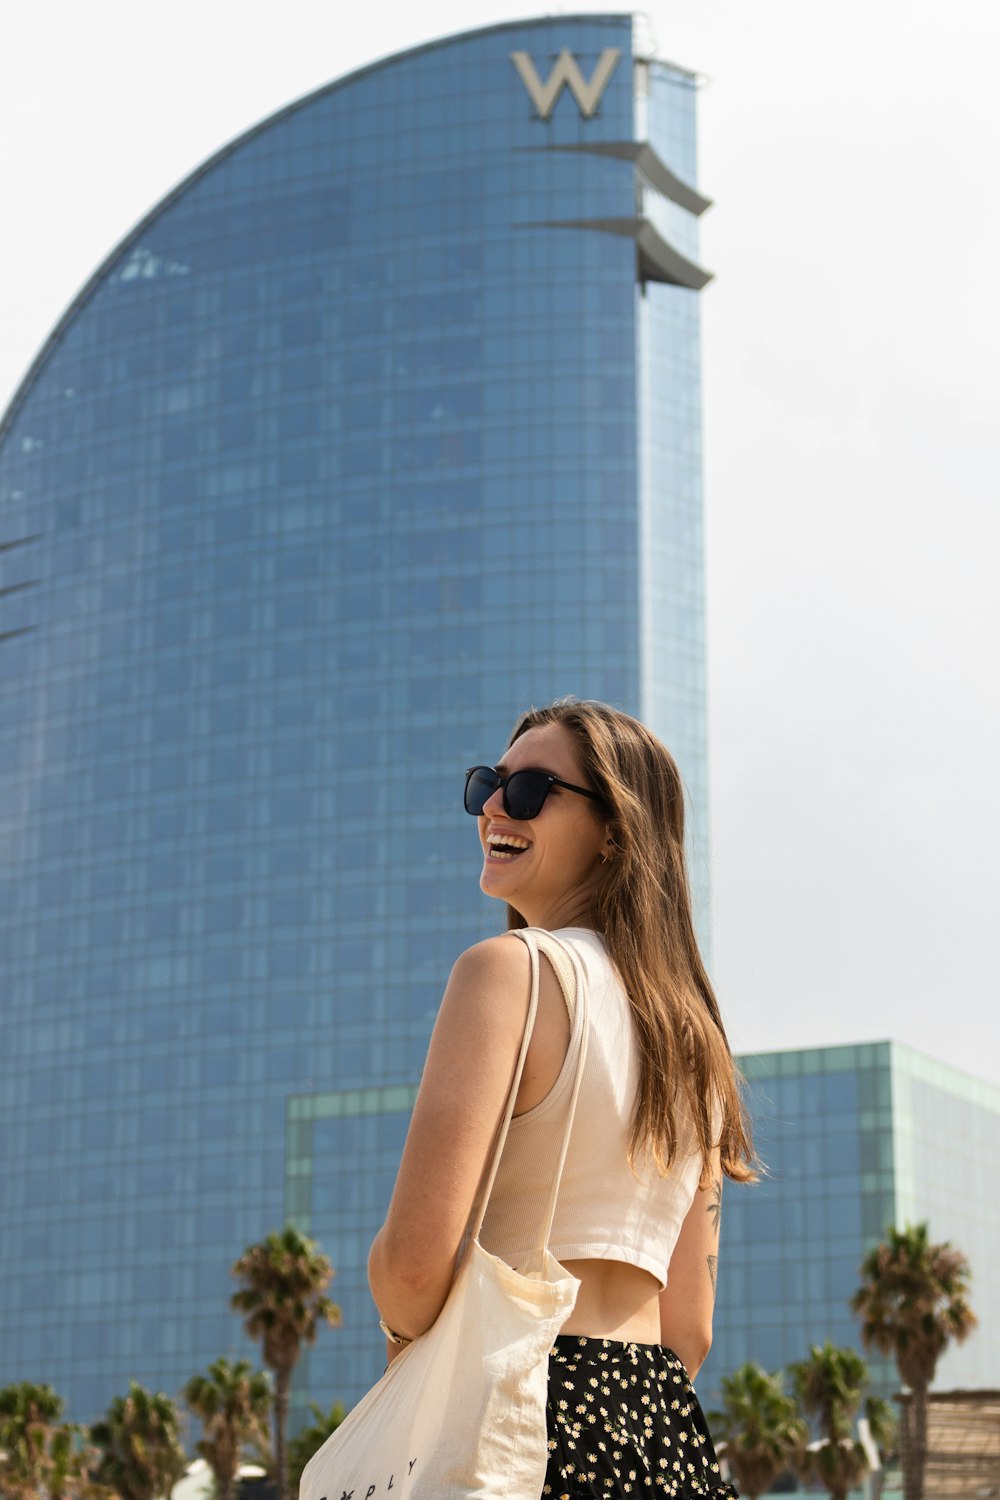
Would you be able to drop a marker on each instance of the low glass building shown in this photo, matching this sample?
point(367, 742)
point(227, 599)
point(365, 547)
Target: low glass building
point(855, 1139)
point(384, 425)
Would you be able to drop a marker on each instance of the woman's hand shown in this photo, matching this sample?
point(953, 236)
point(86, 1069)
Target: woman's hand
point(460, 1103)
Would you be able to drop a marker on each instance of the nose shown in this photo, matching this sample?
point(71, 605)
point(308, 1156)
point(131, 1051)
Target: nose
point(494, 804)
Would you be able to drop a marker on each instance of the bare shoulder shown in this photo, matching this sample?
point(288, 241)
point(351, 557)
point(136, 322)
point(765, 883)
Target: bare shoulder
point(502, 960)
point(488, 988)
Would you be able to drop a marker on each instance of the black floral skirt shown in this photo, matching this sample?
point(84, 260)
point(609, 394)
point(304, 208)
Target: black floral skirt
point(624, 1420)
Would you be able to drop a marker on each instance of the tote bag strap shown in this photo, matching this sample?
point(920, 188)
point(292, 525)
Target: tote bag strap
point(560, 955)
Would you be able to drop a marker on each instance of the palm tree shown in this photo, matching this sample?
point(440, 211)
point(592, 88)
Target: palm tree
point(39, 1455)
point(27, 1415)
point(760, 1431)
point(233, 1403)
point(913, 1301)
point(830, 1385)
point(310, 1439)
point(138, 1438)
point(284, 1279)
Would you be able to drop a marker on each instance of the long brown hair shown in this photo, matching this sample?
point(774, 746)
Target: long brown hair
point(643, 911)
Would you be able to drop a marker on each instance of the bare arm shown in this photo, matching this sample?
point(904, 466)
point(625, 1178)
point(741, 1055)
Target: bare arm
point(465, 1085)
point(687, 1302)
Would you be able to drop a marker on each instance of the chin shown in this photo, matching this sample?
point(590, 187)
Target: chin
point(488, 879)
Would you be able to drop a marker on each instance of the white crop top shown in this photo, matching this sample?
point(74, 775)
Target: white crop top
point(604, 1211)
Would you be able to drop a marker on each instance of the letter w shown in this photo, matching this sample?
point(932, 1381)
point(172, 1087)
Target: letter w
point(566, 72)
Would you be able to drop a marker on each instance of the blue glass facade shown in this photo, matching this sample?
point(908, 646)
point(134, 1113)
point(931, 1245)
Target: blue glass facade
point(855, 1138)
point(381, 427)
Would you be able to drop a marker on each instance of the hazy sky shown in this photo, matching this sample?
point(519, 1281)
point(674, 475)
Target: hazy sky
point(852, 471)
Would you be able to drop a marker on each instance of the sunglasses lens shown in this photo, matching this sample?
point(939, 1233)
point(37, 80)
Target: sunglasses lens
point(526, 792)
point(480, 784)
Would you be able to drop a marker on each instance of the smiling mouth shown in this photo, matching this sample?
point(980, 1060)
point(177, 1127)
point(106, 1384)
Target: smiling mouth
point(505, 846)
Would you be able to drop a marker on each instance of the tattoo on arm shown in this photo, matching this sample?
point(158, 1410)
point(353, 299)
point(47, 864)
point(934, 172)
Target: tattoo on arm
point(715, 1212)
point(715, 1204)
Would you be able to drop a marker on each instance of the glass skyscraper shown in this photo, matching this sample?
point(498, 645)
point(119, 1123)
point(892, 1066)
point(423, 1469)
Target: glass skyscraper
point(382, 426)
point(855, 1138)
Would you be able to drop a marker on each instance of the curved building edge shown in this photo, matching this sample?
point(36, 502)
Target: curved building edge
point(210, 163)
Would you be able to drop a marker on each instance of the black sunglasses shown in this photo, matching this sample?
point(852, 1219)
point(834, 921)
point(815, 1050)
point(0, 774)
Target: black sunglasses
point(524, 792)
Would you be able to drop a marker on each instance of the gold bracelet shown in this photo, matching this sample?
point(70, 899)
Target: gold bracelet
point(394, 1338)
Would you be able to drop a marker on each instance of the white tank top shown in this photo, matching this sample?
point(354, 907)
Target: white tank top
point(604, 1211)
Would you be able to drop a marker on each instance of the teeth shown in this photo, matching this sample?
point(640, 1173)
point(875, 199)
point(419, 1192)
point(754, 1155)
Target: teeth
point(506, 845)
point(510, 840)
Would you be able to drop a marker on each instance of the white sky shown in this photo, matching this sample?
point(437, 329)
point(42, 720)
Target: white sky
point(852, 470)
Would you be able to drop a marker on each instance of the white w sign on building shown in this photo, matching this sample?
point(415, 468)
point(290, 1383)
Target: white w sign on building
point(566, 74)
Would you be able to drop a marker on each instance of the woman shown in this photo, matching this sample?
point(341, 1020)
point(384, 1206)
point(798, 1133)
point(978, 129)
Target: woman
point(590, 846)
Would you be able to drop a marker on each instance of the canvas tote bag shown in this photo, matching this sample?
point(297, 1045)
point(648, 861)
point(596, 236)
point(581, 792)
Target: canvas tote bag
point(460, 1413)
